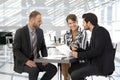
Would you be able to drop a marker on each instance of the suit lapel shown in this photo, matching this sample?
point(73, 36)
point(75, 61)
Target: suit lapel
point(28, 37)
point(38, 37)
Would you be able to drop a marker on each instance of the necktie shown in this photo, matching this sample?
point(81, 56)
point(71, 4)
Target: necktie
point(34, 44)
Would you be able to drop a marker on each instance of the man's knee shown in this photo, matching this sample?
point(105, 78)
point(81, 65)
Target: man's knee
point(75, 76)
point(34, 70)
point(52, 68)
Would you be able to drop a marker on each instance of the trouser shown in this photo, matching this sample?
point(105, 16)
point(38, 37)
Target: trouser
point(50, 71)
point(79, 71)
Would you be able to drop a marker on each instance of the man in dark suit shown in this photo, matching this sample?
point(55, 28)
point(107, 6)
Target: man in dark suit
point(28, 43)
point(99, 54)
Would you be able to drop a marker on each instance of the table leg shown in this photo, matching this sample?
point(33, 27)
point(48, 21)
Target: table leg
point(59, 72)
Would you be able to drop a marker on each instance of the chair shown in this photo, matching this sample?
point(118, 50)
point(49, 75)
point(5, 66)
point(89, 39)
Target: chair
point(108, 76)
point(9, 41)
point(24, 75)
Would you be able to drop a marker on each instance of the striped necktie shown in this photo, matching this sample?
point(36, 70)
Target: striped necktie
point(34, 44)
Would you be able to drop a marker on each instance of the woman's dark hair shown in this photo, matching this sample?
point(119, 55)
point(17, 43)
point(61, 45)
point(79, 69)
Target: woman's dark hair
point(73, 17)
point(90, 17)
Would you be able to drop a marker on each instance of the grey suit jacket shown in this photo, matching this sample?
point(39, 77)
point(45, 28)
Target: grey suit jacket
point(22, 47)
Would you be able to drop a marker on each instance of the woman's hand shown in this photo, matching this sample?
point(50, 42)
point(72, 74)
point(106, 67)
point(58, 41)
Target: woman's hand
point(74, 54)
point(74, 47)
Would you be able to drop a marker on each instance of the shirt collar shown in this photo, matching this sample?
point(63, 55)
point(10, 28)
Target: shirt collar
point(79, 30)
point(30, 29)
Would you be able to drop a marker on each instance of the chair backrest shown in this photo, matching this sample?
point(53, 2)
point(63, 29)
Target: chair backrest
point(114, 47)
point(9, 41)
point(113, 57)
point(109, 57)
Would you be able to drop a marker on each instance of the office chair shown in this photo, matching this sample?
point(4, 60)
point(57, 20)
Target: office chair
point(23, 75)
point(108, 76)
point(9, 41)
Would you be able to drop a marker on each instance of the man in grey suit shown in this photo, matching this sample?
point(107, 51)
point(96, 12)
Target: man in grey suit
point(28, 42)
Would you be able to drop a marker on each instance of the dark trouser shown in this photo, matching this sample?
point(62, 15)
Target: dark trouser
point(50, 70)
point(79, 71)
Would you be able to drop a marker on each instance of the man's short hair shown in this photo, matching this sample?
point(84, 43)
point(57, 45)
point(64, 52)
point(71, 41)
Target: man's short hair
point(90, 17)
point(33, 14)
point(73, 17)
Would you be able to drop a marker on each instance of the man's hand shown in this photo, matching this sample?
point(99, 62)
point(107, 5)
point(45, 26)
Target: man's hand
point(74, 54)
point(74, 47)
point(31, 63)
point(44, 64)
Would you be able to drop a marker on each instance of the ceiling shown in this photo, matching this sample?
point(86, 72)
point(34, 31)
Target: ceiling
point(14, 13)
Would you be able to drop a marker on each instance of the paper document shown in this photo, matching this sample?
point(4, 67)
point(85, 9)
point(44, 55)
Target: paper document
point(55, 57)
point(64, 49)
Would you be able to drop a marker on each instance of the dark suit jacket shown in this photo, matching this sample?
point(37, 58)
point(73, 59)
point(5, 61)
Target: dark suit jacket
point(22, 47)
point(100, 52)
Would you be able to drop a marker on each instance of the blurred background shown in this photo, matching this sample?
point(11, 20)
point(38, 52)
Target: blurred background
point(14, 14)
